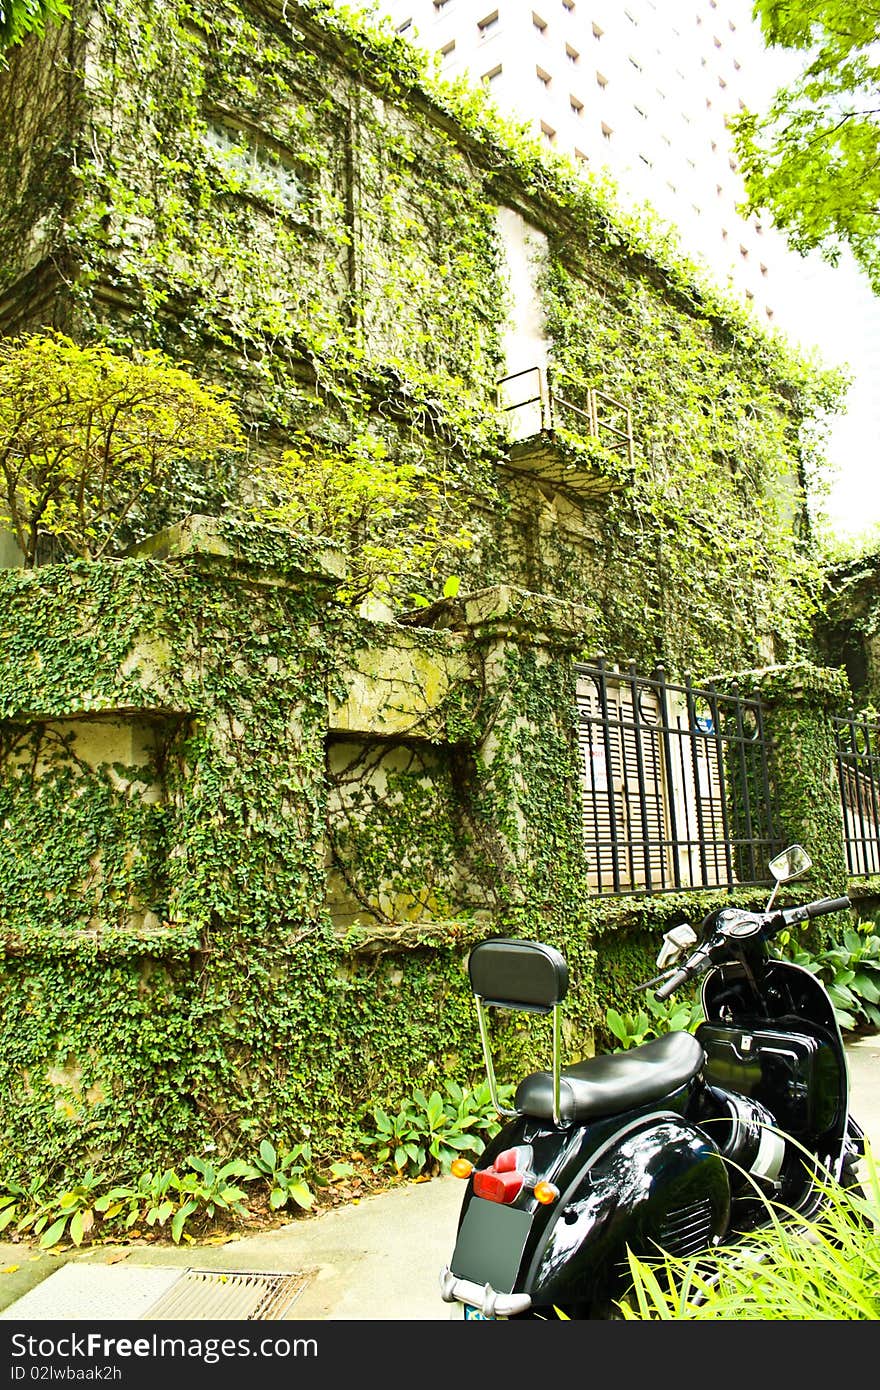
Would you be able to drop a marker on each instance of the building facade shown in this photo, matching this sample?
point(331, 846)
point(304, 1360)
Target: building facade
point(645, 90)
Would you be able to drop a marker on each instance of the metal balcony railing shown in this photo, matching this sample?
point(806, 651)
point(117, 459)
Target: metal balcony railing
point(540, 408)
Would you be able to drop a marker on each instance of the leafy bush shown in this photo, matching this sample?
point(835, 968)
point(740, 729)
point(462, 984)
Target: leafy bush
point(164, 1198)
point(396, 520)
point(71, 1213)
point(850, 972)
point(428, 1132)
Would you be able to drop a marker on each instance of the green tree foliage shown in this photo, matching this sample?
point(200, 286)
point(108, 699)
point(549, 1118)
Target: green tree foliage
point(21, 17)
point(813, 159)
point(87, 438)
point(396, 520)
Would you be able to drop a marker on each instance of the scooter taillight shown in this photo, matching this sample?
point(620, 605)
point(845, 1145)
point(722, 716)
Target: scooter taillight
point(503, 1180)
point(497, 1187)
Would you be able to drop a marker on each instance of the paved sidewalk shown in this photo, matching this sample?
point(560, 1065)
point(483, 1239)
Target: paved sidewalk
point(377, 1259)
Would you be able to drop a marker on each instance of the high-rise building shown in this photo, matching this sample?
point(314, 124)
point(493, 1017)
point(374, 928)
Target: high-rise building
point(643, 91)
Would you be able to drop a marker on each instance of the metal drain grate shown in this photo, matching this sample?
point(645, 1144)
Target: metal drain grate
point(245, 1295)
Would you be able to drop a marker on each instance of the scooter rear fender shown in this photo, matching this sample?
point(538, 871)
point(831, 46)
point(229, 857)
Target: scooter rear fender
point(637, 1180)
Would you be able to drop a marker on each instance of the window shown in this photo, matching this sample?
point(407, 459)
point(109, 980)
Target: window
point(571, 53)
point(447, 49)
point(568, 5)
point(632, 19)
point(722, 83)
point(607, 132)
point(548, 133)
point(539, 23)
point(576, 105)
point(581, 157)
point(763, 270)
point(265, 173)
point(597, 32)
point(639, 112)
point(656, 796)
point(637, 65)
point(542, 76)
point(491, 75)
point(645, 160)
point(601, 80)
point(407, 24)
point(485, 25)
point(744, 252)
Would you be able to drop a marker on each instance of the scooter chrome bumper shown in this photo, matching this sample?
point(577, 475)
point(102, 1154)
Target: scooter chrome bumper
point(490, 1302)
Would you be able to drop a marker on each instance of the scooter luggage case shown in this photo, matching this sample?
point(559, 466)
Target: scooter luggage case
point(795, 1074)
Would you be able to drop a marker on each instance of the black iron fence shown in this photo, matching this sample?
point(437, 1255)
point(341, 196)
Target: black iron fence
point(857, 745)
point(675, 781)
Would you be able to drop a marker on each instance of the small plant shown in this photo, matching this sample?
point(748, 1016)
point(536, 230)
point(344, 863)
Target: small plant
point(657, 1017)
point(428, 1132)
point(283, 1171)
point(17, 1201)
point(72, 1213)
point(207, 1190)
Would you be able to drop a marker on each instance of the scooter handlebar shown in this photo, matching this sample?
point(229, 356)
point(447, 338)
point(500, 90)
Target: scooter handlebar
point(695, 965)
point(672, 984)
point(822, 908)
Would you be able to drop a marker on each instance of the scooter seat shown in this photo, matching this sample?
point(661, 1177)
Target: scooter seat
point(610, 1084)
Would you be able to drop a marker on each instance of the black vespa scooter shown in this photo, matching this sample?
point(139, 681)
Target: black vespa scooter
point(679, 1145)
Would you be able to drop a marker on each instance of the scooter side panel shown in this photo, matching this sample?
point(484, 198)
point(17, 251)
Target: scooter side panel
point(661, 1186)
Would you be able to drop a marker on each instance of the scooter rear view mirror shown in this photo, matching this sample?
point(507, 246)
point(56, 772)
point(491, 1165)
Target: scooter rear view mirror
point(790, 864)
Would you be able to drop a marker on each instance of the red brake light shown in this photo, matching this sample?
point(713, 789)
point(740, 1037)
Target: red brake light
point(498, 1187)
point(506, 1162)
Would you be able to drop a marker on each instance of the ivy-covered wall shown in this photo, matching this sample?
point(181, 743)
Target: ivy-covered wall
point(173, 972)
point(289, 201)
point(249, 834)
point(849, 631)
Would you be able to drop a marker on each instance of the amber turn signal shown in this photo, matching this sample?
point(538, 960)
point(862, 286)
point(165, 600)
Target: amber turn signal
point(461, 1168)
point(545, 1193)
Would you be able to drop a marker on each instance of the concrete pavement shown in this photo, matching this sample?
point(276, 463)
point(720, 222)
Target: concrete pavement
point(377, 1259)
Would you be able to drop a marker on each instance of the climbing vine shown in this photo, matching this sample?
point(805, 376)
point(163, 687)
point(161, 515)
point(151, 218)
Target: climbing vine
point(292, 202)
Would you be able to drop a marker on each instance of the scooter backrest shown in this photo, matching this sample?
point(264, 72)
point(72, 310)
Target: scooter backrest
point(514, 974)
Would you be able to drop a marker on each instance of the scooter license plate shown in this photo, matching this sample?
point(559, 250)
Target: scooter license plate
point(474, 1315)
